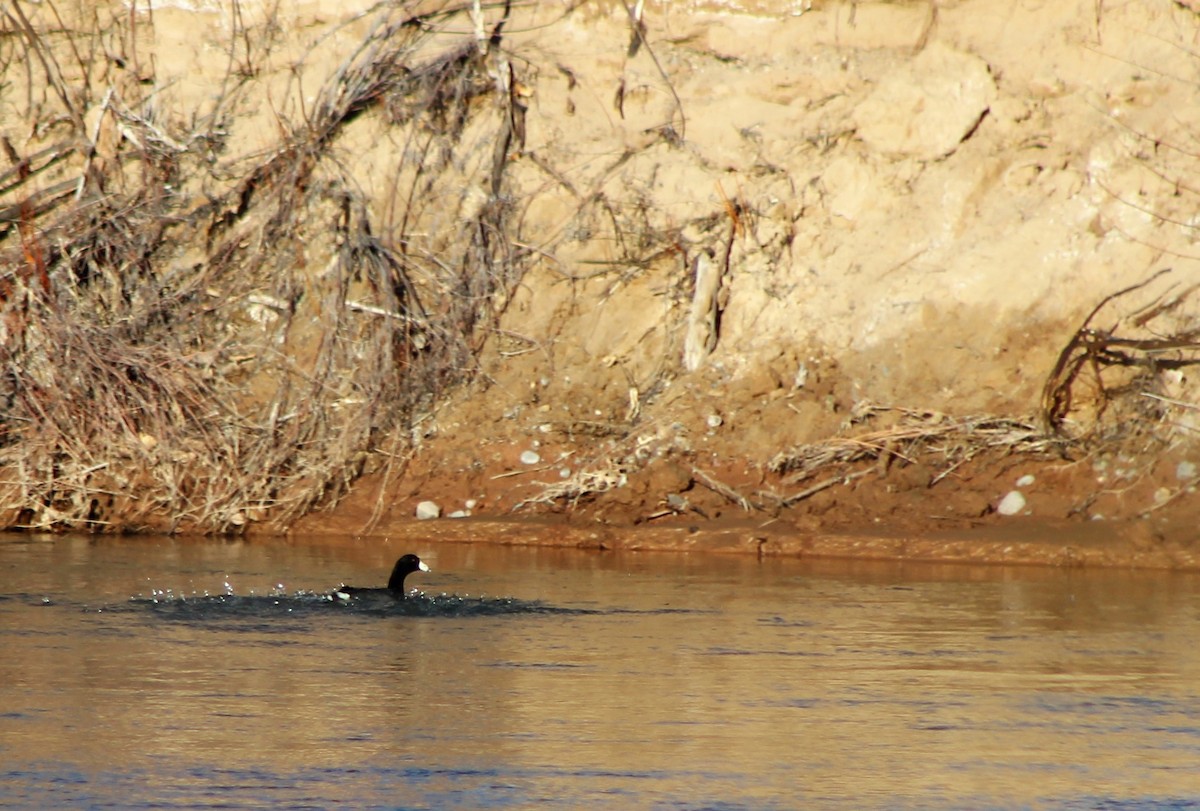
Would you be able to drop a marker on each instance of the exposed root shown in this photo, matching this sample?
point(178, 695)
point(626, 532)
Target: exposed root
point(1097, 350)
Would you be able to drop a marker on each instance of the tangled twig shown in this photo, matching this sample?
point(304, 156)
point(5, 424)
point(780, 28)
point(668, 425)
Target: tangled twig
point(1096, 349)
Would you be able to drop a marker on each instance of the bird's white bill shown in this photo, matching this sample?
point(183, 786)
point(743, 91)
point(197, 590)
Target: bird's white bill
point(421, 565)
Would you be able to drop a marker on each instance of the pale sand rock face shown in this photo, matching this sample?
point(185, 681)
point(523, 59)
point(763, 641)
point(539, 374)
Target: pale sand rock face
point(929, 197)
point(931, 268)
point(928, 107)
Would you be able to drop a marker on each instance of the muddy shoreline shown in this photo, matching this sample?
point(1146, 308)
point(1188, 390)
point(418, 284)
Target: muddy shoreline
point(1129, 544)
point(908, 510)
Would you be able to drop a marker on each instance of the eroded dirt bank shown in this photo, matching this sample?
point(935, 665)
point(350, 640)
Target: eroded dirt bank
point(883, 515)
point(887, 279)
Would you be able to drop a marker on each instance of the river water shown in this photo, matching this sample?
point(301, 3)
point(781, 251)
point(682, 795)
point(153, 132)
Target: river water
point(161, 673)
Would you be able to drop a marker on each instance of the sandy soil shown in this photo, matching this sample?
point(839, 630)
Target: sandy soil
point(1070, 518)
point(908, 210)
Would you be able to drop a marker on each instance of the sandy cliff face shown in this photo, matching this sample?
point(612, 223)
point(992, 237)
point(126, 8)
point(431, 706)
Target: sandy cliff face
point(911, 205)
point(901, 215)
point(922, 195)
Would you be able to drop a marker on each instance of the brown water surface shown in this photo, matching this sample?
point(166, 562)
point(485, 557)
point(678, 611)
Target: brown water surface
point(181, 673)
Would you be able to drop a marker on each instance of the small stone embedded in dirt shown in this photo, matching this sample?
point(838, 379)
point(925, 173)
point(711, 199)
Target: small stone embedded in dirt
point(530, 458)
point(1185, 470)
point(714, 420)
point(427, 510)
point(1026, 480)
point(459, 514)
point(1011, 504)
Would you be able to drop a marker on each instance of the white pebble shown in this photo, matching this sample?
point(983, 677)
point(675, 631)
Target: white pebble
point(1185, 471)
point(470, 503)
point(1011, 504)
point(1026, 480)
point(530, 458)
point(427, 510)
point(459, 514)
point(714, 420)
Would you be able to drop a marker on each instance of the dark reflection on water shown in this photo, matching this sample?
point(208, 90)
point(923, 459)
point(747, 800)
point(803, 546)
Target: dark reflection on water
point(175, 674)
point(272, 606)
point(270, 609)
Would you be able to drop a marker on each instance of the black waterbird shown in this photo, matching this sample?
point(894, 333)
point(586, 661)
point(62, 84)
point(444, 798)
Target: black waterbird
point(405, 566)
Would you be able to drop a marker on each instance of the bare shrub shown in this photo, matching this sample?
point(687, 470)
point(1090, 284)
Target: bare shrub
point(170, 357)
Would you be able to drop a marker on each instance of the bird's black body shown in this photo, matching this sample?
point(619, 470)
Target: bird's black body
point(405, 566)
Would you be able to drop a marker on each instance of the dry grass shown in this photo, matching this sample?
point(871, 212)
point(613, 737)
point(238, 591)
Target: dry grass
point(580, 486)
point(169, 356)
point(917, 436)
point(917, 433)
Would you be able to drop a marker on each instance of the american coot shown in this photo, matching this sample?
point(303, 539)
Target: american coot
point(395, 587)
